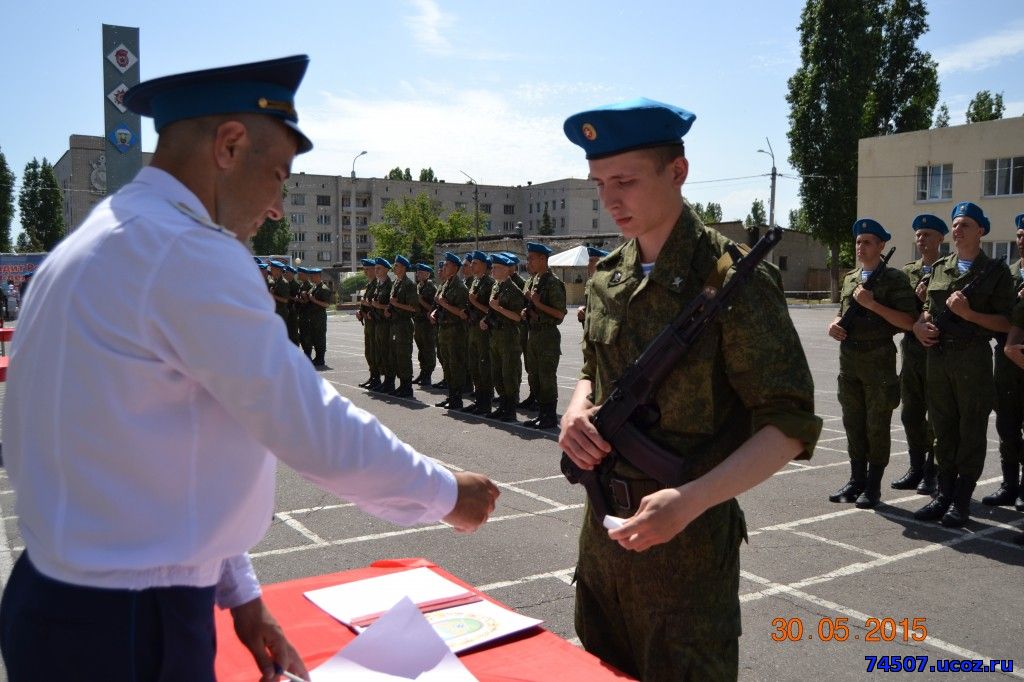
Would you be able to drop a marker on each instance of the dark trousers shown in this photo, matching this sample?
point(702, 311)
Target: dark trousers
point(50, 630)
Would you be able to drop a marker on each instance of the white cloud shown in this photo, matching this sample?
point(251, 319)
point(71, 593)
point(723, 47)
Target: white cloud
point(982, 53)
point(427, 26)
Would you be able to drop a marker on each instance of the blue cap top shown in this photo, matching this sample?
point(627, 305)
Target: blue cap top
point(423, 267)
point(402, 260)
point(500, 259)
point(513, 259)
point(382, 261)
point(262, 266)
point(290, 268)
point(1019, 221)
point(595, 252)
point(452, 258)
point(622, 127)
point(534, 247)
point(28, 273)
point(303, 270)
point(257, 259)
point(869, 226)
point(277, 264)
point(367, 262)
point(972, 211)
point(468, 258)
point(315, 271)
point(927, 221)
point(481, 256)
point(266, 87)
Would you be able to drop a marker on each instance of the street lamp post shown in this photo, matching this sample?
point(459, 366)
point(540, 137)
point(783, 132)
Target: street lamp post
point(771, 209)
point(476, 210)
point(352, 211)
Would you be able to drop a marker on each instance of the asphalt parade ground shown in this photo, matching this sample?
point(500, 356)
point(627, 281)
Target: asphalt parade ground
point(813, 572)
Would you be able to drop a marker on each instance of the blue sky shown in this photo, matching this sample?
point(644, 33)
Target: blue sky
point(483, 86)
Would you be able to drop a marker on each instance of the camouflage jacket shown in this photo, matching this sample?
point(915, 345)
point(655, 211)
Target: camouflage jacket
point(404, 290)
point(995, 295)
point(482, 287)
point(746, 371)
point(454, 292)
point(369, 294)
point(552, 294)
point(425, 290)
point(510, 297)
point(892, 289)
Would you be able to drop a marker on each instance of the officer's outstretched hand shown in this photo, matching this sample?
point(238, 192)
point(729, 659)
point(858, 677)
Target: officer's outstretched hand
point(660, 517)
point(259, 631)
point(477, 495)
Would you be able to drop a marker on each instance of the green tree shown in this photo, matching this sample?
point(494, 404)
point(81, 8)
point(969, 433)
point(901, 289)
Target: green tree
point(546, 226)
point(712, 213)
point(942, 117)
point(407, 174)
point(274, 236)
point(394, 174)
point(41, 205)
point(427, 175)
point(985, 107)
point(26, 245)
point(797, 222)
point(6, 204)
point(413, 226)
point(757, 215)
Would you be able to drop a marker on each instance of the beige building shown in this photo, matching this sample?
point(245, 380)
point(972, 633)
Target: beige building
point(930, 171)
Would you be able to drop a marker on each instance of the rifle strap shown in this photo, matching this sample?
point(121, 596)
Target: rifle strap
point(717, 277)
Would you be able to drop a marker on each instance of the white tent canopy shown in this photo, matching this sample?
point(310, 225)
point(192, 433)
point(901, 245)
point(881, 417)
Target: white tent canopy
point(574, 257)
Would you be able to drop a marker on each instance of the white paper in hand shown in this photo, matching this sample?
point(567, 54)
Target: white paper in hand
point(401, 645)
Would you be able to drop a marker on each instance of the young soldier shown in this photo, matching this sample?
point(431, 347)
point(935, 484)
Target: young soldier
point(450, 317)
point(544, 311)
point(738, 408)
point(594, 254)
point(929, 232)
point(505, 303)
point(424, 333)
point(367, 315)
point(479, 358)
point(868, 388)
point(1014, 351)
point(961, 391)
point(293, 295)
point(305, 311)
point(404, 304)
point(279, 290)
point(320, 298)
point(382, 334)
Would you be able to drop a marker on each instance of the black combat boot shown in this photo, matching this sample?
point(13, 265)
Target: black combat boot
point(455, 401)
point(443, 403)
point(388, 385)
point(1019, 504)
point(872, 494)
point(404, 390)
point(546, 417)
point(483, 405)
point(530, 403)
point(914, 474)
point(928, 486)
point(1007, 492)
point(499, 409)
point(959, 512)
point(442, 384)
point(855, 486)
point(374, 383)
point(366, 384)
point(418, 379)
point(934, 510)
point(508, 407)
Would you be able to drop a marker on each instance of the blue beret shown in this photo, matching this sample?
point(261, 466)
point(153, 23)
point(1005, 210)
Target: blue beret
point(452, 258)
point(382, 261)
point(534, 247)
point(973, 211)
point(481, 256)
point(257, 88)
point(1019, 221)
point(595, 252)
point(634, 124)
point(927, 221)
point(402, 260)
point(277, 264)
point(423, 267)
point(28, 273)
point(262, 266)
point(315, 271)
point(869, 226)
point(257, 259)
point(513, 259)
point(290, 268)
point(500, 259)
point(468, 258)
point(367, 262)
point(304, 271)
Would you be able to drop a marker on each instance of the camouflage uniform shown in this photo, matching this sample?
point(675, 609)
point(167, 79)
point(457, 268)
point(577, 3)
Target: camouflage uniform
point(424, 333)
point(545, 346)
point(451, 337)
point(305, 333)
point(382, 336)
point(914, 415)
point(318, 321)
point(1009, 382)
point(479, 357)
point(505, 349)
point(370, 333)
point(404, 291)
point(280, 288)
point(672, 612)
point(293, 310)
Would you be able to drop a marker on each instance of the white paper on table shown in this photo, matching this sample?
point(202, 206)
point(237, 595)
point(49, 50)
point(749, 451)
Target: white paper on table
point(470, 625)
point(400, 645)
point(353, 601)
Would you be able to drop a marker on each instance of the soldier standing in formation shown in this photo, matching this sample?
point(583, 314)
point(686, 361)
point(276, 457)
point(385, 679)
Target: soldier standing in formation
point(868, 387)
point(382, 333)
point(450, 318)
point(502, 322)
point(479, 337)
point(1014, 351)
point(367, 316)
point(302, 310)
point(1009, 380)
point(404, 307)
point(279, 289)
point(293, 303)
point(425, 333)
point(544, 311)
point(320, 298)
point(961, 390)
point(441, 384)
point(929, 233)
point(594, 254)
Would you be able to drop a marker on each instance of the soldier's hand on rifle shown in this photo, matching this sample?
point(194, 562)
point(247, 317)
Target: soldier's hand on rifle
point(581, 314)
point(359, 315)
point(926, 332)
point(524, 313)
point(535, 297)
point(1015, 352)
point(959, 304)
point(483, 325)
point(433, 317)
point(579, 438)
point(394, 300)
point(835, 331)
point(494, 304)
point(922, 291)
point(660, 517)
point(864, 297)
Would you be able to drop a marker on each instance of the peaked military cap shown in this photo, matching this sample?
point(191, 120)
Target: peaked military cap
point(367, 262)
point(481, 256)
point(423, 267)
point(383, 261)
point(534, 247)
point(625, 126)
point(595, 252)
point(402, 260)
point(927, 221)
point(973, 211)
point(277, 264)
point(266, 87)
point(452, 258)
point(869, 226)
point(1019, 221)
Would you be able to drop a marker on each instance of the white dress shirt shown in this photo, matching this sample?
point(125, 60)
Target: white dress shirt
point(150, 386)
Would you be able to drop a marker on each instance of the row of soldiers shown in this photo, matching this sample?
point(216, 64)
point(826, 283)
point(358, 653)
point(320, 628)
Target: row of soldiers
point(482, 321)
point(301, 297)
point(949, 308)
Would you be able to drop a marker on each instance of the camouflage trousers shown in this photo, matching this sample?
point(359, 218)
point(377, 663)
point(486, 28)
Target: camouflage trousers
point(425, 335)
point(671, 612)
point(451, 343)
point(868, 393)
point(913, 391)
point(1009, 382)
point(961, 394)
point(506, 361)
point(401, 348)
point(369, 351)
point(382, 347)
point(543, 351)
point(479, 360)
point(318, 336)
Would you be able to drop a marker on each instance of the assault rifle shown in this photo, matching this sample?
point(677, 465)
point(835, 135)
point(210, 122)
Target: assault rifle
point(623, 418)
point(946, 319)
point(847, 319)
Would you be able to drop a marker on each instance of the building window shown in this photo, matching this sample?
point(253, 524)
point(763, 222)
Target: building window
point(487, 225)
point(562, 204)
point(298, 200)
point(323, 219)
point(1004, 251)
point(509, 209)
point(324, 237)
point(563, 223)
point(323, 199)
point(345, 221)
point(783, 262)
point(361, 239)
point(298, 255)
point(530, 207)
point(297, 218)
point(1004, 176)
point(460, 205)
point(298, 236)
point(593, 225)
point(485, 208)
point(596, 204)
point(324, 256)
point(935, 182)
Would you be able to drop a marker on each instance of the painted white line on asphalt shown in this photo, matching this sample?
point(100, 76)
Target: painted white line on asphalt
point(837, 543)
point(535, 480)
point(783, 472)
point(306, 532)
point(857, 619)
point(565, 575)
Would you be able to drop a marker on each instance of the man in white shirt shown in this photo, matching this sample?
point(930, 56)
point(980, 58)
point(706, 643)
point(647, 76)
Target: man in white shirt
point(141, 430)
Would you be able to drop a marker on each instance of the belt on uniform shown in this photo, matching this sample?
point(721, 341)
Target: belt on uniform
point(867, 344)
point(952, 344)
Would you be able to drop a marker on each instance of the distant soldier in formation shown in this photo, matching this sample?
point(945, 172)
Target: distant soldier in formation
point(1009, 381)
point(1014, 351)
point(279, 290)
point(404, 306)
point(441, 383)
point(382, 333)
point(869, 390)
point(479, 337)
point(594, 254)
point(320, 298)
point(961, 390)
point(450, 316)
point(302, 310)
point(929, 233)
point(425, 333)
point(502, 322)
point(544, 311)
point(367, 315)
point(293, 303)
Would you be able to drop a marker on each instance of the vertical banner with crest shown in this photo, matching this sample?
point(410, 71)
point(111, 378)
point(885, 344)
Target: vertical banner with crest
point(122, 128)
